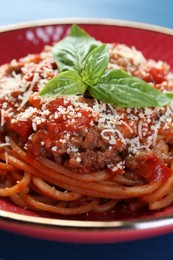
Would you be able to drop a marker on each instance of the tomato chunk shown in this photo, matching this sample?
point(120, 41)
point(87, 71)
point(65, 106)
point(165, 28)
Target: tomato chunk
point(23, 128)
point(35, 100)
point(153, 169)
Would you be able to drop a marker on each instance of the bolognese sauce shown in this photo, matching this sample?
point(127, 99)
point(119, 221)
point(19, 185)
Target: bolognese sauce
point(76, 153)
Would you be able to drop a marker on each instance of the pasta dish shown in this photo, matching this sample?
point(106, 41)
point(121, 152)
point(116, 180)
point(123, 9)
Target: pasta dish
point(91, 138)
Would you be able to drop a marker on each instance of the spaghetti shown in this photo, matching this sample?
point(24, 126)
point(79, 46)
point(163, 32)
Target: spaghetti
point(72, 155)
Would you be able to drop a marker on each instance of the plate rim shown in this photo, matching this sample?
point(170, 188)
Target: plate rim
point(154, 223)
point(148, 223)
point(96, 21)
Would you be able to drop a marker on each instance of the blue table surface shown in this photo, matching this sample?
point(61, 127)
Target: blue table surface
point(13, 246)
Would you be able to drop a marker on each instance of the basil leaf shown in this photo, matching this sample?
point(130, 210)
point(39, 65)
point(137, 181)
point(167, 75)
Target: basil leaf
point(169, 94)
point(66, 83)
point(76, 31)
point(70, 53)
point(95, 64)
point(119, 88)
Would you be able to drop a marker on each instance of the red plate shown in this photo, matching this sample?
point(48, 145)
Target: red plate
point(19, 40)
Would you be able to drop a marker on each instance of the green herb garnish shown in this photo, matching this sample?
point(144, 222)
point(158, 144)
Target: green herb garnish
point(83, 63)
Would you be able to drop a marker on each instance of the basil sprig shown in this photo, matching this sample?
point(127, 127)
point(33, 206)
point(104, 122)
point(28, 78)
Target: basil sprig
point(83, 61)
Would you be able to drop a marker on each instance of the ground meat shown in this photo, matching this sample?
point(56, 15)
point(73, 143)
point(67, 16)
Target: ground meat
point(133, 162)
point(93, 160)
point(162, 151)
point(84, 151)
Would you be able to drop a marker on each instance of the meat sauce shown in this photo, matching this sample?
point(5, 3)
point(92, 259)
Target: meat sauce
point(81, 133)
